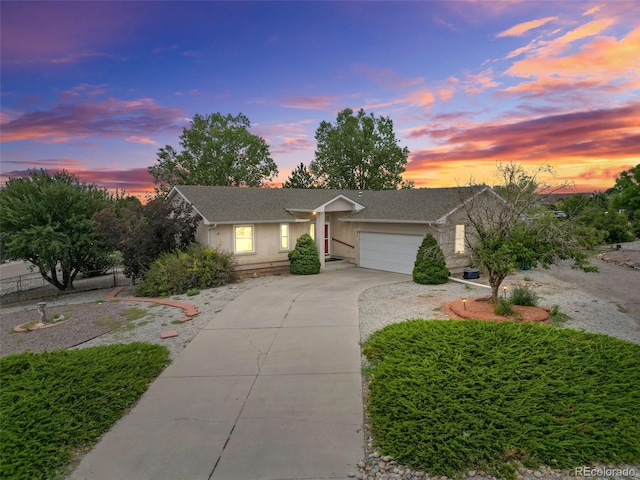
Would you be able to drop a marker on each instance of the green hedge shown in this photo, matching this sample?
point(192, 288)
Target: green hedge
point(450, 396)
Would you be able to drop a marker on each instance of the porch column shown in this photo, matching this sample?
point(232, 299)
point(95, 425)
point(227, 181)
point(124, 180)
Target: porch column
point(320, 237)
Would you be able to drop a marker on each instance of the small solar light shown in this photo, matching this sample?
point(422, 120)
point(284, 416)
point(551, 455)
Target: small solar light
point(464, 303)
point(504, 289)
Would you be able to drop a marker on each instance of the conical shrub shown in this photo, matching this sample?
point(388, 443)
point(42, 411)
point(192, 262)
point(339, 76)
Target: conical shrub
point(304, 258)
point(430, 267)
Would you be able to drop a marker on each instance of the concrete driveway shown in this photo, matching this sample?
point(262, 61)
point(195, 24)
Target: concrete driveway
point(270, 389)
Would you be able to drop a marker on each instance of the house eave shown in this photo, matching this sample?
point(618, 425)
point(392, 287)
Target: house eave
point(381, 220)
point(247, 222)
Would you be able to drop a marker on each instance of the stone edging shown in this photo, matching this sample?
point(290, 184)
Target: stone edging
point(37, 326)
point(189, 310)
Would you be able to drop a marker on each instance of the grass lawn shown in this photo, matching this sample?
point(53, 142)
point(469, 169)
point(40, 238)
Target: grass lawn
point(449, 396)
point(53, 403)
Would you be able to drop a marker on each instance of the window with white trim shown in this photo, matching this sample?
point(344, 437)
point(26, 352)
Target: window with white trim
point(284, 236)
point(312, 230)
point(243, 239)
point(459, 242)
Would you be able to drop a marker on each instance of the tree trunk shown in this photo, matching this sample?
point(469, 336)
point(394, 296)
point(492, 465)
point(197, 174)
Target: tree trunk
point(53, 279)
point(495, 280)
point(494, 293)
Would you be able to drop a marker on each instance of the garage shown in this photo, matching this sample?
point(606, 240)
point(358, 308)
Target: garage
point(391, 252)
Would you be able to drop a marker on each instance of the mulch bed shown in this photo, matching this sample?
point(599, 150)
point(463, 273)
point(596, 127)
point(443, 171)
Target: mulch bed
point(480, 308)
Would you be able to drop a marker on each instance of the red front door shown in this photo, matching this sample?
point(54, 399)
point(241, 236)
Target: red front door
point(326, 239)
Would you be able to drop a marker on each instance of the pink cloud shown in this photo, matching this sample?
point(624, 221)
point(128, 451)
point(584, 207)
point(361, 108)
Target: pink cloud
point(422, 97)
point(443, 125)
point(524, 27)
point(605, 57)
point(480, 82)
point(591, 134)
point(551, 86)
point(561, 44)
point(593, 10)
point(320, 102)
point(285, 138)
point(137, 139)
point(387, 77)
point(82, 119)
point(46, 163)
point(84, 90)
point(289, 145)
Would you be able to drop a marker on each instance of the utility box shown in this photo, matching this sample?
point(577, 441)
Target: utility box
point(471, 273)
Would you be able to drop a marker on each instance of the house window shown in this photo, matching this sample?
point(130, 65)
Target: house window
point(284, 236)
point(243, 238)
point(312, 230)
point(459, 245)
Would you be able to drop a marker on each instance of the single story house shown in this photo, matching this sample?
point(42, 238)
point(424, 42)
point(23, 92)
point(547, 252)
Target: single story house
point(372, 229)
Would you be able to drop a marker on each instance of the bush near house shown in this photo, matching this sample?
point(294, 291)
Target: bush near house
point(430, 267)
point(304, 258)
point(179, 271)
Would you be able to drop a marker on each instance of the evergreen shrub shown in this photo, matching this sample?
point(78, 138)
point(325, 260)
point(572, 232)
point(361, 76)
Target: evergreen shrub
point(304, 259)
point(430, 267)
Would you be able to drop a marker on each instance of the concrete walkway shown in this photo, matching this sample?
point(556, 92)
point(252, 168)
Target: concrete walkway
point(270, 389)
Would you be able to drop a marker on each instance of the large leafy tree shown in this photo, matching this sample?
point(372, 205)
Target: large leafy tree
point(517, 230)
point(359, 151)
point(143, 232)
point(625, 195)
point(606, 213)
point(46, 220)
point(215, 150)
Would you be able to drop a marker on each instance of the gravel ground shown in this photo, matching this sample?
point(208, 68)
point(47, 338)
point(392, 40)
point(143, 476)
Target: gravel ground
point(80, 322)
point(108, 324)
point(380, 306)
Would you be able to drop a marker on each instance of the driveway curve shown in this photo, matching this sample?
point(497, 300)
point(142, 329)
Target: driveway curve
point(269, 389)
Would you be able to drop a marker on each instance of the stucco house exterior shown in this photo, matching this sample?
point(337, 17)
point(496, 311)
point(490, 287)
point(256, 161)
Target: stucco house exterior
point(372, 229)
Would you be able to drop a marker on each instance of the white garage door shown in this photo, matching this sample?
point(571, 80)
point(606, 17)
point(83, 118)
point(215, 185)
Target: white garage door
point(389, 251)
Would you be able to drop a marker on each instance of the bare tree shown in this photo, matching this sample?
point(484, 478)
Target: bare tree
point(517, 229)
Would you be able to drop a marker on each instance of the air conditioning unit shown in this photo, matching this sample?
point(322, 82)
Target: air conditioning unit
point(471, 273)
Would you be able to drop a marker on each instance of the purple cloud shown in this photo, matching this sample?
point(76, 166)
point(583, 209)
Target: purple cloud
point(81, 119)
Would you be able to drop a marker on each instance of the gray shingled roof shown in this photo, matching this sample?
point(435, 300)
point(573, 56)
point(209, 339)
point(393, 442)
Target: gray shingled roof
point(265, 205)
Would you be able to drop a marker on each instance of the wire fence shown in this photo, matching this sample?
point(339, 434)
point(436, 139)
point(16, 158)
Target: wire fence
point(32, 286)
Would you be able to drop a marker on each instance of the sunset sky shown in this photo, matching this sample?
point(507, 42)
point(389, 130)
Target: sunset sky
point(98, 87)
